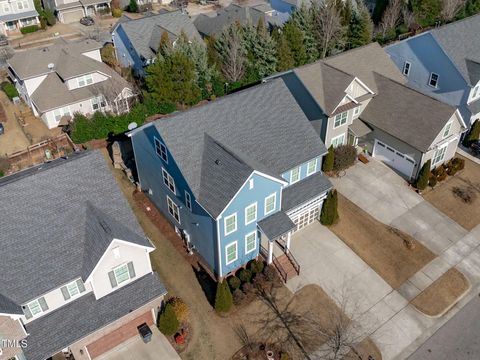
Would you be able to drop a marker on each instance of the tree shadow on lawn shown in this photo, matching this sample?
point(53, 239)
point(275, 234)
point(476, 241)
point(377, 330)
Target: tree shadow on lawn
point(208, 285)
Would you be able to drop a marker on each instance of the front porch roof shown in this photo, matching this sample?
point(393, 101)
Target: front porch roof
point(359, 128)
point(305, 190)
point(93, 2)
point(276, 225)
point(23, 15)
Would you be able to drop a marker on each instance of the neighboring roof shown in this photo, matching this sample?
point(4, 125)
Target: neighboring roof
point(18, 16)
point(140, 32)
point(59, 329)
point(406, 114)
point(217, 22)
point(474, 107)
point(276, 225)
point(326, 84)
point(8, 306)
point(46, 223)
point(359, 128)
point(34, 62)
point(363, 61)
point(461, 42)
point(303, 191)
point(473, 68)
point(75, 4)
point(265, 130)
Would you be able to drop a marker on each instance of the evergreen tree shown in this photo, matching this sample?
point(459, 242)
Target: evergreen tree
point(168, 323)
point(329, 213)
point(223, 297)
point(360, 29)
point(473, 134)
point(172, 80)
point(345, 11)
point(132, 6)
point(327, 165)
point(423, 176)
point(260, 51)
point(284, 55)
point(232, 53)
point(472, 7)
point(426, 12)
point(302, 18)
point(294, 37)
point(165, 45)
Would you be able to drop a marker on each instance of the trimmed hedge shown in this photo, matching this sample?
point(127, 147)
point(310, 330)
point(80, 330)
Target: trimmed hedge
point(223, 298)
point(9, 89)
point(168, 323)
point(29, 29)
point(423, 176)
point(101, 125)
point(245, 275)
point(234, 282)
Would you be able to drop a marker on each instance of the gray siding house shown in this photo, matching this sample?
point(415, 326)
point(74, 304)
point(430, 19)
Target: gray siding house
point(76, 273)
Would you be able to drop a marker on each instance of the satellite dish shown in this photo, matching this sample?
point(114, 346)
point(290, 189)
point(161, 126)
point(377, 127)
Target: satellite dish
point(132, 125)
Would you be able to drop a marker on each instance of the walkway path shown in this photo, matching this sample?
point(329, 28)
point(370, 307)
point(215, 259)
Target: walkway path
point(461, 150)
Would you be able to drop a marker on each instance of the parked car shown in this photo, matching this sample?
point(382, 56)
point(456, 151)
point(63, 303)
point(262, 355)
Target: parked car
point(87, 21)
point(3, 40)
point(145, 333)
point(2, 129)
point(475, 146)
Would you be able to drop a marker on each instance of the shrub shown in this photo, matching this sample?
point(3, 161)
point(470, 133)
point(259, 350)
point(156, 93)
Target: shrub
point(432, 181)
point(270, 273)
point(473, 134)
point(107, 54)
point(117, 13)
point(459, 163)
point(49, 16)
point(9, 89)
point(223, 298)
point(238, 296)
point(168, 323)
point(245, 275)
point(328, 161)
point(29, 29)
point(451, 168)
point(440, 172)
point(247, 288)
point(234, 282)
point(259, 280)
point(43, 23)
point(256, 266)
point(132, 6)
point(329, 213)
point(423, 176)
point(344, 157)
point(179, 308)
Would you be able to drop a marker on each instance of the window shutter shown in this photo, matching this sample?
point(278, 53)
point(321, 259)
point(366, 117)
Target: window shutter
point(65, 293)
point(81, 286)
point(131, 270)
point(113, 281)
point(26, 311)
point(43, 304)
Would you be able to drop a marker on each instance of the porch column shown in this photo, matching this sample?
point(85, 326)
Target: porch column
point(270, 252)
point(289, 236)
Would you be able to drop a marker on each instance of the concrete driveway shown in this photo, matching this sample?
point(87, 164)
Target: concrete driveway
point(385, 195)
point(135, 348)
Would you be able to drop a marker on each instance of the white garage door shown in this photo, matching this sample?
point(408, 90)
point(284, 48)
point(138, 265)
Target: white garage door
point(393, 158)
point(306, 213)
point(72, 16)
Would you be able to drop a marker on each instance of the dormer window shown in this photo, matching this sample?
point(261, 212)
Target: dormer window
point(433, 82)
point(72, 289)
point(406, 68)
point(35, 307)
point(85, 80)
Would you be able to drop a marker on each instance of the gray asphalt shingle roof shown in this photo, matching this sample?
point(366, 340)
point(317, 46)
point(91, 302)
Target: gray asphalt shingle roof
point(406, 114)
point(47, 223)
point(461, 41)
point(265, 130)
point(299, 193)
point(141, 31)
point(276, 225)
point(18, 16)
point(474, 107)
point(57, 330)
point(8, 306)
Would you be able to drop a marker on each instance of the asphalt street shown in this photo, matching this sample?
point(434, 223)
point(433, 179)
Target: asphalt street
point(458, 339)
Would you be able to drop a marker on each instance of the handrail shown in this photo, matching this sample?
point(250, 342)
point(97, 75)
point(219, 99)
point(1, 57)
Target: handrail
point(294, 261)
point(282, 272)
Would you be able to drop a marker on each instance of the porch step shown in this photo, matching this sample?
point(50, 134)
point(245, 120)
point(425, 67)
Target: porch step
point(287, 266)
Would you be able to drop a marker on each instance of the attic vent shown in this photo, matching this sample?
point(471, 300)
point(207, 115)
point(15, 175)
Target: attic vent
point(105, 227)
point(217, 162)
point(51, 66)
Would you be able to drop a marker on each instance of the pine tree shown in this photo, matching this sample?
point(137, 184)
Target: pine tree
point(426, 11)
point(132, 6)
point(360, 29)
point(472, 7)
point(165, 45)
point(473, 134)
point(168, 323)
point(294, 37)
point(284, 55)
point(346, 12)
point(329, 213)
point(380, 6)
point(302, 18)
point(260, 51)
point(223, 297)
point(327, 165)
point(423, 176)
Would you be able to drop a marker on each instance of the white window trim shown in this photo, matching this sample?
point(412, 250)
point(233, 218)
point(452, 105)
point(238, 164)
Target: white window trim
point(39, 306)
point(341, 118)
point(430, 80)
point(246, 243)
point(476, 92)
point(188, 203)
point(274, 195)
point(406, 69)
point(308, 166)
point(174, 205)
point(234, 243)
point(115, 274)
point(76, 285)
point(291, 175)
point(225, 224)
point(356, 111)
point(169, 181)
point(256, 213)
point(338, 137)
point(443, 156)
point(449, 125)
point(158, 149)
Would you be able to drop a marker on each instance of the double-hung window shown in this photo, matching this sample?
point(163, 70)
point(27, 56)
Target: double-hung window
point(188, 200)
point(311, 167)
point(173, 209)
point(340, 119)
point(406, 68)
point(230, 224)
point(295, 175)
point(35, 307)
point(433, 80)
point(72, 289)
point(98, 102)
point(270, 203)
point(168, 180)
point(250, 213)
point(160, 149)
point(231, 252)
point(121, 274)
point(446, 130)
point(439, 155)
point(339, 140)
point(85, 80)
point(250, 242)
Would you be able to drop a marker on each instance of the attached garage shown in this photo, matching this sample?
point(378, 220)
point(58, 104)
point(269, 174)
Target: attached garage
point(306, 213)
point(394, 158)
point(72, 16)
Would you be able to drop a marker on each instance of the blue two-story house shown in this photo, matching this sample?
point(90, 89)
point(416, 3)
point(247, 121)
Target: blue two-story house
point(444, 63)
point(234, 172)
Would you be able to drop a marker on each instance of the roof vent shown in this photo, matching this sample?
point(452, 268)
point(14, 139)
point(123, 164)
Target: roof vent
point(105, 227)
point(51, 66)
point(217, 162)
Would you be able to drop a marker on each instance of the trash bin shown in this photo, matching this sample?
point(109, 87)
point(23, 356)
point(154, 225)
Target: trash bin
point(145, 333)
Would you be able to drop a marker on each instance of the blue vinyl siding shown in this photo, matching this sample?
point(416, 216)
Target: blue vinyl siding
point(125, 52)
point(303, 170)
point(149, 166)
point(262, 188)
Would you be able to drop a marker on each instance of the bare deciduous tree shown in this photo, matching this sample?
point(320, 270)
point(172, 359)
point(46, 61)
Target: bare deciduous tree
point(392, 16)
point(232, 51)
point(450, 8)
point(327, 25)
point(409, 18)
